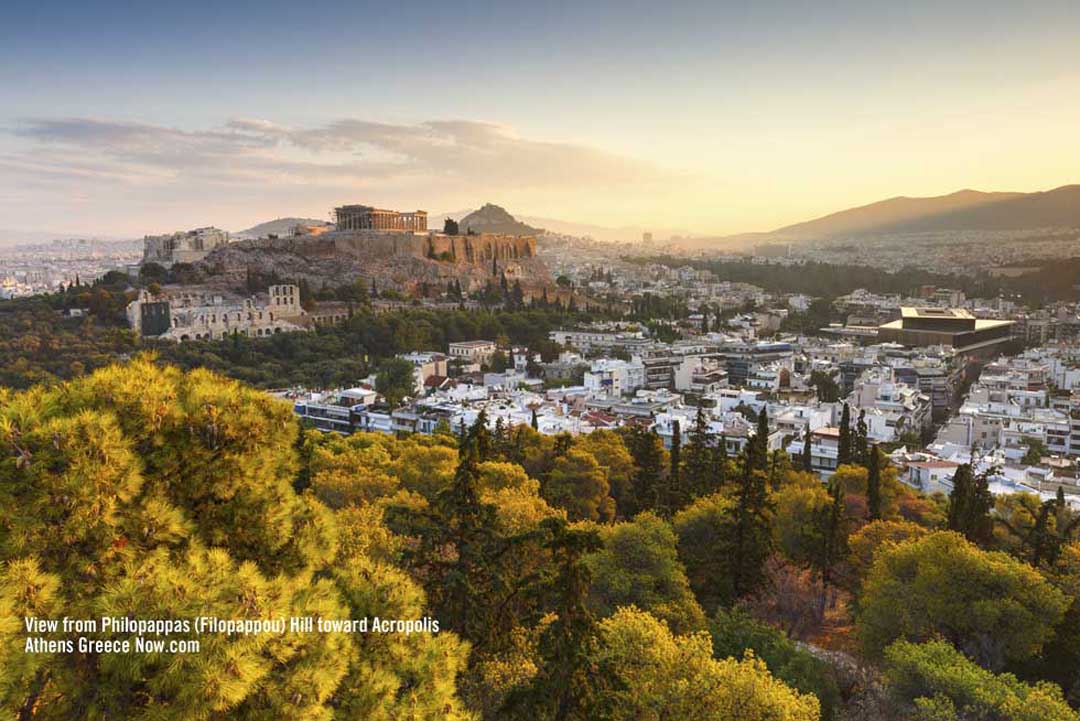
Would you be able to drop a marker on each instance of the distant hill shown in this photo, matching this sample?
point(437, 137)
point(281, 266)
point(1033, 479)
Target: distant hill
point(1058, 208)
point(625, 233)
point(280, 226)
point(963, 210)
point(493, 219)
point(889, 213)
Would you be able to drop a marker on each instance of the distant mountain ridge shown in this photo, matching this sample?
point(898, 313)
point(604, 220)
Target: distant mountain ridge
point(963, 210)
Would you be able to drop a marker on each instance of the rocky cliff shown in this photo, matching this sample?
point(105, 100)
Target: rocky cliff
point(399, 260)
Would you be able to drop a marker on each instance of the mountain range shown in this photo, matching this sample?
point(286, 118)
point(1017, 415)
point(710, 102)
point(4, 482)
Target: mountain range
point(963, 210)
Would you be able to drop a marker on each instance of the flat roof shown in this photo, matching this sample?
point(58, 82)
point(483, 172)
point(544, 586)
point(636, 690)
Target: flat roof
point(908, 311)
point(980, 324)
point(471, 343)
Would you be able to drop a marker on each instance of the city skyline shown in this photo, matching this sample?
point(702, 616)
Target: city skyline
point(711, 119)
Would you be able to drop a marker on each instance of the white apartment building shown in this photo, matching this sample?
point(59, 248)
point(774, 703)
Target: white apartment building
point(614, 377)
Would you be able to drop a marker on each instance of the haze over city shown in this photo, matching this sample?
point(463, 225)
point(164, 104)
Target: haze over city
point(706, 118)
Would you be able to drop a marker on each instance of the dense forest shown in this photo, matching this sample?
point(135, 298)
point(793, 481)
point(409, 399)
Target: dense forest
point(573, 578)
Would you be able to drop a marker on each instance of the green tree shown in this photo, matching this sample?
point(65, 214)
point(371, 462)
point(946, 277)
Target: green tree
point(610, 451)
point(579, 484)
point(704, 531)
point(843, 453)
point(1036, 449)
point(649, 459)
point(395, 380)
point(750, 541)
point(459, 554)
point(699, 474)
point(991, 606)
point(639, 566)
point(970, 503)
point(563, 688)
point(807, 453)
point(675, 497)
point(873, 484)
point(759, 444)
point(935, 681)
point(736, 633)
point(655, 674)
point(827, 389)
point(860, 444)
point(151, 493)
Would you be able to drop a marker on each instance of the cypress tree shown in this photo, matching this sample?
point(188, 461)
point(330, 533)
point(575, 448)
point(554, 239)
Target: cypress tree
point(479, 437)
point(843, 453)
point(760, 441)
point(676, 497)
point(970, 503)
point(647, 451)
point(535, 421)
point(873, 484)
point(834, 541)
point(697, 466)
point(751, 539)
point(807, 451)
point(859, 452)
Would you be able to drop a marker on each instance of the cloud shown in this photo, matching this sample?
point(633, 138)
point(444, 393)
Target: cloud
point(342, 151)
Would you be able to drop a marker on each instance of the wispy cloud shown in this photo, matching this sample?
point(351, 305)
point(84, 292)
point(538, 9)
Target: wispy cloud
point(341, 151)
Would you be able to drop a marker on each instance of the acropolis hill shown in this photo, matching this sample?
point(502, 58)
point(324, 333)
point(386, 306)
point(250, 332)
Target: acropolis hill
point(394, 249)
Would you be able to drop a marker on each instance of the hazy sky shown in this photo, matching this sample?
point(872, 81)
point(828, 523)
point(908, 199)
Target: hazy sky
point(714, 117)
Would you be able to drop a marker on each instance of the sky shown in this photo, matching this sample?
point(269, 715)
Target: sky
point(129, 118)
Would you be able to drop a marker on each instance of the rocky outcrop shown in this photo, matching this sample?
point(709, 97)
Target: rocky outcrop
point(493, 219)
point(392, 259)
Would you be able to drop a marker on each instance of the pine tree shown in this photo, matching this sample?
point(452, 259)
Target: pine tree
point(192, 511)
point(873, 484)
point(563, 688)
point(535, 421)
point(466, 585)
point(843, 453)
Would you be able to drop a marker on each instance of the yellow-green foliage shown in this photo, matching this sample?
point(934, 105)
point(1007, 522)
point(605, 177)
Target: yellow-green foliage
point(148, 492)
point(654, 675)
point(639, 566)
point(988, 604)
point(943, 684)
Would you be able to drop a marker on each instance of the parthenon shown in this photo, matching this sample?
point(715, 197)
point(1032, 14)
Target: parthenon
point(364, 217)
